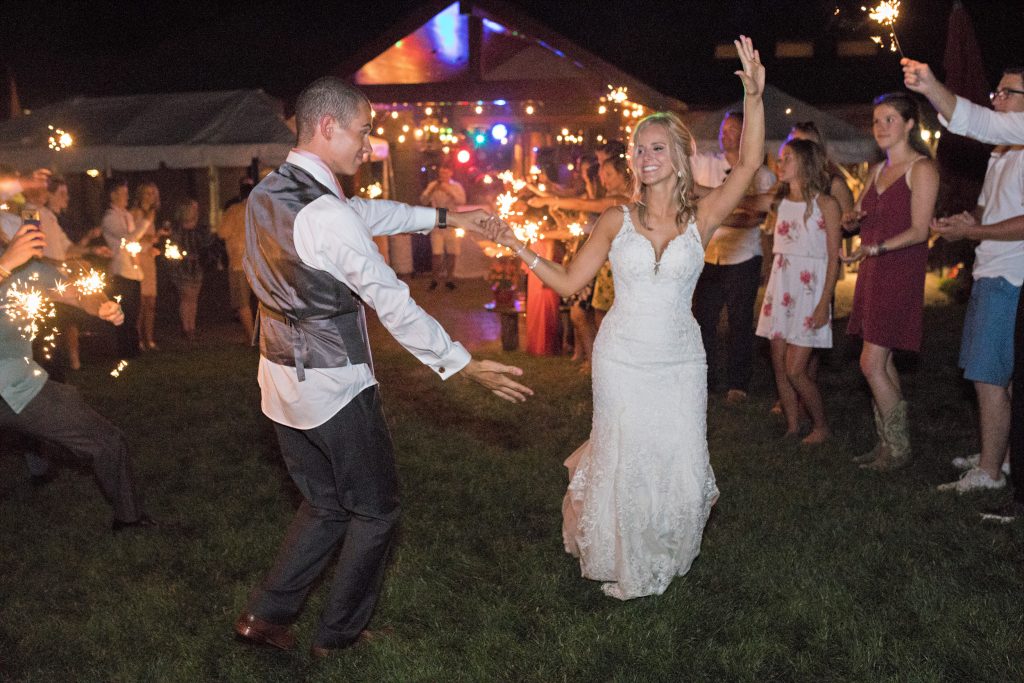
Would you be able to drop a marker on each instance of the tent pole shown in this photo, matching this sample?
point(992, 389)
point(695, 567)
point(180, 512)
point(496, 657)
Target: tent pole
point(213, 177)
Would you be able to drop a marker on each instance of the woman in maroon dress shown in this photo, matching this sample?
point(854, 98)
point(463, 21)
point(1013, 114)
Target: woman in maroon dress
point(895, 211)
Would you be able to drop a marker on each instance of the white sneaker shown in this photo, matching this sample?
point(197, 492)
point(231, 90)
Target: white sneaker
point(974, 479)
point(967, 462)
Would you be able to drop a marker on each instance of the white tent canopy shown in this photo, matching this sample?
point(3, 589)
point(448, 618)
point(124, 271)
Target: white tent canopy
point(145, 132)
point(846, 144)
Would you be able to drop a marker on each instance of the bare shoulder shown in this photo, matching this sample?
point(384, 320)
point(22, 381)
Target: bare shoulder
point(828, 203)
point(610, 221)
point(925, 168)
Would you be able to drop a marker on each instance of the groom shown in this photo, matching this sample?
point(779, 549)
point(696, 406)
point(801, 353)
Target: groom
point(312, 263)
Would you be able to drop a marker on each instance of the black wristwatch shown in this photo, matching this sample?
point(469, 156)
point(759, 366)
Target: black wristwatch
point(442, 217)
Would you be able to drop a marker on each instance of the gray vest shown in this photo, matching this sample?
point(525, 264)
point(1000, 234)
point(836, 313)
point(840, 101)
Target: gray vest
point(307, 318)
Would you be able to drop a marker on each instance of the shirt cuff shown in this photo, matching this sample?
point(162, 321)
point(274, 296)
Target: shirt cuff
point(424, 218)
point(452, 363)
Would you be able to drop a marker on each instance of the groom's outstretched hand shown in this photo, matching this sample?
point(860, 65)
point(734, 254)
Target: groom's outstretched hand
point(496, 377)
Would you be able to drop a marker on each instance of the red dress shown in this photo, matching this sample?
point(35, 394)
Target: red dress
point(542, 304)
point(888, 303)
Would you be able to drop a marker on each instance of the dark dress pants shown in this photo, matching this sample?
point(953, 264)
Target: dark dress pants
point(345, 470)
point(59, 417)
point(126, 334)
point(735, 287)
point(1017, 409)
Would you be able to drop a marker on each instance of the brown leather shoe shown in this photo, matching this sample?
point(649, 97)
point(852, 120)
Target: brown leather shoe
point(322, 652)
point(252, 629)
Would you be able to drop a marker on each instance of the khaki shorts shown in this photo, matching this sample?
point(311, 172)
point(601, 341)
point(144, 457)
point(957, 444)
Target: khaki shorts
point(444, 241)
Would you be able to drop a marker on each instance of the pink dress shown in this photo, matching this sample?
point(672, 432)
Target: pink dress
point(888, 303)
point(542, 304)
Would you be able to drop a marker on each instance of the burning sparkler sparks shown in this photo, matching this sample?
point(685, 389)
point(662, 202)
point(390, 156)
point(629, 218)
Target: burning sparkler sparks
point(91, 282)
point(132, 248)
point(372, 191)
point(59, 140)
point(121, 365)
point(28, 307)
point(885, 13)
point(172, 252)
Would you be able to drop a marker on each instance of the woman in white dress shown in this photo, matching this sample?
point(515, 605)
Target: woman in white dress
point(641, 488)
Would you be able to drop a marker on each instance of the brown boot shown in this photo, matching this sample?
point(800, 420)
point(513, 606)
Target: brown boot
point(879, 447)
point(896, 432)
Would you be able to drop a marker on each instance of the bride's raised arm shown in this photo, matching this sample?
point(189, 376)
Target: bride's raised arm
point(720, 202)
point(571, 278)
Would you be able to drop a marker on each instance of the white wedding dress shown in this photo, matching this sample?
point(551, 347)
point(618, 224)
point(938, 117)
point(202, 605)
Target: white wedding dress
point(641, 488)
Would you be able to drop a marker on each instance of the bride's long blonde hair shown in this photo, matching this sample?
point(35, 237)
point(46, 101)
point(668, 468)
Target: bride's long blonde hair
point(681, 147)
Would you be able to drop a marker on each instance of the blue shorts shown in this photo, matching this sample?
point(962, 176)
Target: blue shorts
point(986, 349)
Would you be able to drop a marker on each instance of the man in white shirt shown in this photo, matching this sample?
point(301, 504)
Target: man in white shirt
point(1004, 126)
point(986, 353)
point(444, 193)
point(122, 238)
point(312, 263)
point(732, 264)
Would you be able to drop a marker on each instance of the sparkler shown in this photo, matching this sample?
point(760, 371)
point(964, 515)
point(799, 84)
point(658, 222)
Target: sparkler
point(92, 282)
point(372, 191)
point(886, 13)
point(575, 229)
point(59, 140)
point(172, 252)
point(132, 248)
point(121, 365)
point(28, 307)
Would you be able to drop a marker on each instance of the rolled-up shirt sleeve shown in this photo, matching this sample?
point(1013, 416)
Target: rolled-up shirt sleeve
point(979, 123)
point(332, 235)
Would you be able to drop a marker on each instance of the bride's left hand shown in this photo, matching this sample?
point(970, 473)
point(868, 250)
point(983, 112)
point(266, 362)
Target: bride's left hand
point(752, 74)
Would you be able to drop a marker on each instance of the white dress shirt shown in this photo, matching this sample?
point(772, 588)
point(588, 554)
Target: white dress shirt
point(980, 123)
point(118, 228)
point(57, 242)
point(335, 234)
point(729, 246)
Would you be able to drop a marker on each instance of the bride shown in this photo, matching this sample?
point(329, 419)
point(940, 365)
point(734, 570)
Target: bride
point(641, 488)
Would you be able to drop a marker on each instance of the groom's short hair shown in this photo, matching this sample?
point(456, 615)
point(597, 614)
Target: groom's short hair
point(327, 96)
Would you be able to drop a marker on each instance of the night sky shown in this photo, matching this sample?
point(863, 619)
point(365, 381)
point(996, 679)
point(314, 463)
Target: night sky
point(60, 49)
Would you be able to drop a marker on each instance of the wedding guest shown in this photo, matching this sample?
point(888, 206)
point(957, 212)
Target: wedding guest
point(124, 274)
point(837, 187)
point(444, 192)
point(732, 270)
point(888, 303)
point(232, 231)
point(796, 314)
point(1002, 128)
point(194, 241)
point(987, 347)
point(144, 212)
point(36, 407)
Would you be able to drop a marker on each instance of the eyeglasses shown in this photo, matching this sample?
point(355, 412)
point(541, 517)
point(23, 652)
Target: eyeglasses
point(1003, 92)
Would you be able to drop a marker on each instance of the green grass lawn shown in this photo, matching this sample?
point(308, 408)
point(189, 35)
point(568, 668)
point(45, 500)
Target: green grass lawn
point(811, 570)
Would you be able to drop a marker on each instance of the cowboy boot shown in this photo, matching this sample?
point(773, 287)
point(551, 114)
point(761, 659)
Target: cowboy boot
point(896, 431)
point(879, 447)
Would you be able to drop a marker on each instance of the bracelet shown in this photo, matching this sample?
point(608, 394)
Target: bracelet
point(536, 260)
point(881, 249)
point(4, 273)
point(442, 217)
